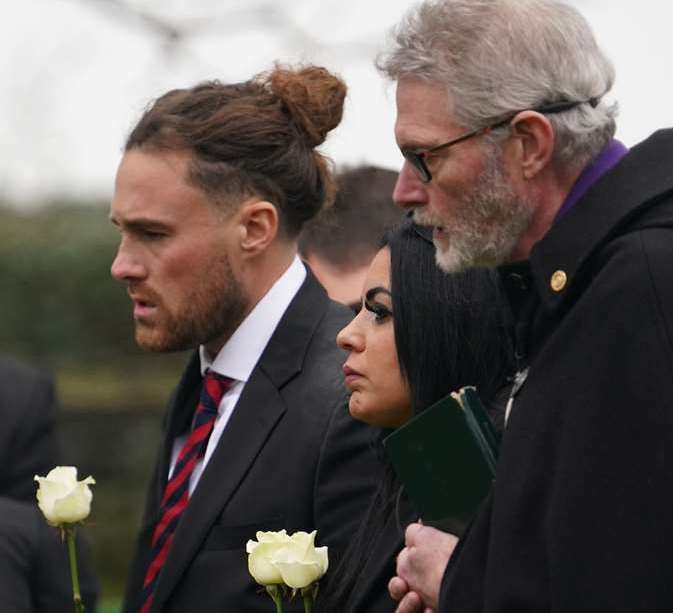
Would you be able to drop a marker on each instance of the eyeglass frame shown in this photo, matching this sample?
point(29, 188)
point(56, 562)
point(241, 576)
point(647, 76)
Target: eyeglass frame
point(417, 158)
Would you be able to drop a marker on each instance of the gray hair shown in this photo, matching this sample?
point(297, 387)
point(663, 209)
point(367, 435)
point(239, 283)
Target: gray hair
point(499, 56)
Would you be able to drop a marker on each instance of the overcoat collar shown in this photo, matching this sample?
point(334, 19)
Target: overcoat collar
point(259, 409)
point(634, 184)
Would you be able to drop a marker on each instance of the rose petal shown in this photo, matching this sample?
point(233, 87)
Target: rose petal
point(323, 558)
point(48, 492)
point(272, 537)
point(74, 507)
point(67, 475)
point(261, 566)
point(299, 574)
point(303, 542)
point(250, 546)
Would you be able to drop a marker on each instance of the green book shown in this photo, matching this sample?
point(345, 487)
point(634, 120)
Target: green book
point(446, 459)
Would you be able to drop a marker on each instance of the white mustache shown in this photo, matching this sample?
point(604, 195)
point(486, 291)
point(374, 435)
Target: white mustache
point(423, 218)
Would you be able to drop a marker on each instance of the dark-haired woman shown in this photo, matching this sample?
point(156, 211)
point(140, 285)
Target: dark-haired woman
point(419, 335)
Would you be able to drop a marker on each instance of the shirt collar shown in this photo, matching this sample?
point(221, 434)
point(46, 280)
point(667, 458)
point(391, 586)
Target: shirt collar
point(242, 351)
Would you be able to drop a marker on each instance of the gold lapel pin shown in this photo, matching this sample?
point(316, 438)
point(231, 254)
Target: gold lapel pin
point(558, 280)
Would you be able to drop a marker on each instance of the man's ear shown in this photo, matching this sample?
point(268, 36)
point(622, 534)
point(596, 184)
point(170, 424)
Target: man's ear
point(535, 135)
point(258, 223)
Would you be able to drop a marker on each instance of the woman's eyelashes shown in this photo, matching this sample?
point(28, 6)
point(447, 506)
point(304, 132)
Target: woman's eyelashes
point(381, 312)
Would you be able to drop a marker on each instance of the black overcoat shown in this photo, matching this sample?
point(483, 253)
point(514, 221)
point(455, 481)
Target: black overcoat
point(580, 518)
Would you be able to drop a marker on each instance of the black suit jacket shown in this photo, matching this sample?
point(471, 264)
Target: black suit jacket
point(28, 444)
point(290, 457)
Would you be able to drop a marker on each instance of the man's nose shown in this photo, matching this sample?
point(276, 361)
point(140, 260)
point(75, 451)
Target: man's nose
point(409, 190)
point(126, 266)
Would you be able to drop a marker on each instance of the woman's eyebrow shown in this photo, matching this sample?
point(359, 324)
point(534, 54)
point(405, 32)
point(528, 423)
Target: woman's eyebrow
point(371, 293)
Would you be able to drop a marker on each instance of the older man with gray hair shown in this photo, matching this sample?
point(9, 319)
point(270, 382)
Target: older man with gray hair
point(510, 156)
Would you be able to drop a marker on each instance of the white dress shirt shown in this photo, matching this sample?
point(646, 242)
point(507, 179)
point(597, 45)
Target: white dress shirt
point(240, 354)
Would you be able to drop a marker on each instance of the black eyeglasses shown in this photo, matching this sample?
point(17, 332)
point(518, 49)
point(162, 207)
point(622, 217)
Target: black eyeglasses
point(418, 159)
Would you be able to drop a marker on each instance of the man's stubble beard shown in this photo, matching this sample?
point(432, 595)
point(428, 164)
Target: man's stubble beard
point(488, 225)
point(215, 308)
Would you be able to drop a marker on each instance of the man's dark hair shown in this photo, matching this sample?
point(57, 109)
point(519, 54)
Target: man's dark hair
point(348, 234)
point(255, 138)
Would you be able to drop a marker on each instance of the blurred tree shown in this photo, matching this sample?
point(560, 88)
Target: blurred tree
point(59, 299)
point(62, 310)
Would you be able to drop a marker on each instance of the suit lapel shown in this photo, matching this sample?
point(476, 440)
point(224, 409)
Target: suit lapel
point(257, 413)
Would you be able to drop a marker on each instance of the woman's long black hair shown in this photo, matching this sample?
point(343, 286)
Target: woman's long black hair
point(451, 330)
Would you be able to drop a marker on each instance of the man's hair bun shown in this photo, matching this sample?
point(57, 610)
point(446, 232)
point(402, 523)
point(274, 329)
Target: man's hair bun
point(313, 97)
point(258, 137)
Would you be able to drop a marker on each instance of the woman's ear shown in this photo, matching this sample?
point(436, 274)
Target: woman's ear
point(258, 223)
point(535, 134)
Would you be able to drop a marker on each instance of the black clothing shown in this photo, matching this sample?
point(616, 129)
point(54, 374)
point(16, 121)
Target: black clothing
point(28, 443)
point(34, 570)
point(290, 457)
point(579, 519)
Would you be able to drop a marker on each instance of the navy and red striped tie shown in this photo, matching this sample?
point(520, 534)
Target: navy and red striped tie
point(176, 494)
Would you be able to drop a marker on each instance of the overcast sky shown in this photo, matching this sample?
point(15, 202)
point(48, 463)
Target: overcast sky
point(76, 74)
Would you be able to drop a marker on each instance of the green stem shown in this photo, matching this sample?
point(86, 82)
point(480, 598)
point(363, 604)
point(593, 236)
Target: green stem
point(72, 556)
point(308, 601)
point(277, 596)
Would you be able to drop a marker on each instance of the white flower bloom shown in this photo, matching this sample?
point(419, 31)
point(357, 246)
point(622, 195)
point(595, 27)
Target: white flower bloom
point(62, 498)
point(293, 560)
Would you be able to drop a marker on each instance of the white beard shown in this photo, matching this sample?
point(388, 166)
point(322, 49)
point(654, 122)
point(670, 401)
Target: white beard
point(488, 225)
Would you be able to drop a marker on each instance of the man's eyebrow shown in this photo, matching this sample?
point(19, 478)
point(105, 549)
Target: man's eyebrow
point(140, 223)
point(410, 143)
point(417, 145)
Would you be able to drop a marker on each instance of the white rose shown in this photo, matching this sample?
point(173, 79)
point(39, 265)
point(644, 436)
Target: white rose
point(293, 560)
point(62, 498)
point(260, 556)
point(302, 563)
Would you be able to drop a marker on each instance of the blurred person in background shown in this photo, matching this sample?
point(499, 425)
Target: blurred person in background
point(28, 439)
point(34, 569)
point(340, 242)
point(213, 189)
point(510, 156)
point(419, 335)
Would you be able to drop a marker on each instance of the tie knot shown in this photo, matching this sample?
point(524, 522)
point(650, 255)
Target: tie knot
point(214, 387)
